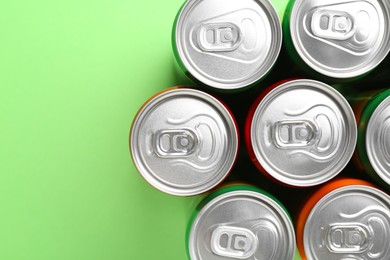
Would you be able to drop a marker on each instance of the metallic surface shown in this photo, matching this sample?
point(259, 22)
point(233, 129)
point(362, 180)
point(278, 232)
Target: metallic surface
point(303, 132)
point(184, 142)
point(351, 222)
point(228, 44)
point(242, 224)
point(341, 38)
point(378, 141)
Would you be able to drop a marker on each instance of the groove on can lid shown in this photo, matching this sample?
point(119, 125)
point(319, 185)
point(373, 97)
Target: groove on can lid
point(184, 142)
point(339, 38)
point(303, 132)
point(351, 222)
point(242, 224)
point(227, 44)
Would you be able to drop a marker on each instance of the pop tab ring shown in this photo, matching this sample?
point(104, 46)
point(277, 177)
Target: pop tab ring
point(219, 37)
point(235, 242)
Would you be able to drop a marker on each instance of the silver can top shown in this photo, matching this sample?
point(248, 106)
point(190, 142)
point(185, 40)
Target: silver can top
point(341, 38)
point(242, 225)
point(184, 142)
point(303, 132)
point(378, 141)
point(228, 44)
point(352, 222)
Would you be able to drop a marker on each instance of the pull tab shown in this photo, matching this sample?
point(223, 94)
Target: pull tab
point(330, 24)
point(293, 134)
point(348, 238)
point(174, 143)
point(235, 242)
point(219, 37)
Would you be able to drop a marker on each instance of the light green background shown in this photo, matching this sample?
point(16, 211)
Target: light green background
point(72, 76)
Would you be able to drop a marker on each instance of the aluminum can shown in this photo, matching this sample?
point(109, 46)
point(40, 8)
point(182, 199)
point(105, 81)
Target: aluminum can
point(373, 144)
point(340, 39)
point(184, 141)
point(301, 132)
point(227, 44)
point(345, 219)
point(241, 222)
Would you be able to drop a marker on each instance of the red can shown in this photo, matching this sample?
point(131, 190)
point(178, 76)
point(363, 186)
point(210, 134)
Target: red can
point(300, 132)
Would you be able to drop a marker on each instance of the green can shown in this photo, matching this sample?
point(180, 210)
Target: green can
point(227, 45)
point(241, 222)
point(339, 40)
point(373, 145)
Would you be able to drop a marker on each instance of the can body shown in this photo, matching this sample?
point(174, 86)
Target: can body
point(184, 141)
point(301, 132)
point(345, 219)
point(227, 45)
point(240, 222)
point(338, 40)
point(373, 113)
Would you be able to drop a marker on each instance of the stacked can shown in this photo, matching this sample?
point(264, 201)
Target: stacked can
point(183, 141)
point(338, 39)
point(345, 219)
point(298, 132)
point(241, 222)
point(227, 44)
point(301, 132)
point(373, 113)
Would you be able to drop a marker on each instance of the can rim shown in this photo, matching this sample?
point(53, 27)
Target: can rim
point(263, 198)
point(348, 148)
point(221, 84)
point(344, 73)
point(232, 130)
point(371, 191)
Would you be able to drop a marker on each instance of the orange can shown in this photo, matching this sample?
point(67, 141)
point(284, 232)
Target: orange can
point(345, 219)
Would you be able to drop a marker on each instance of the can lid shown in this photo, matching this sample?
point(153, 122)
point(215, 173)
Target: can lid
point(303, 132)
point(378, 141)
point(339, 38)
point(242, 224)
point(228, 44)
point(184, 142)
point(352, 222)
